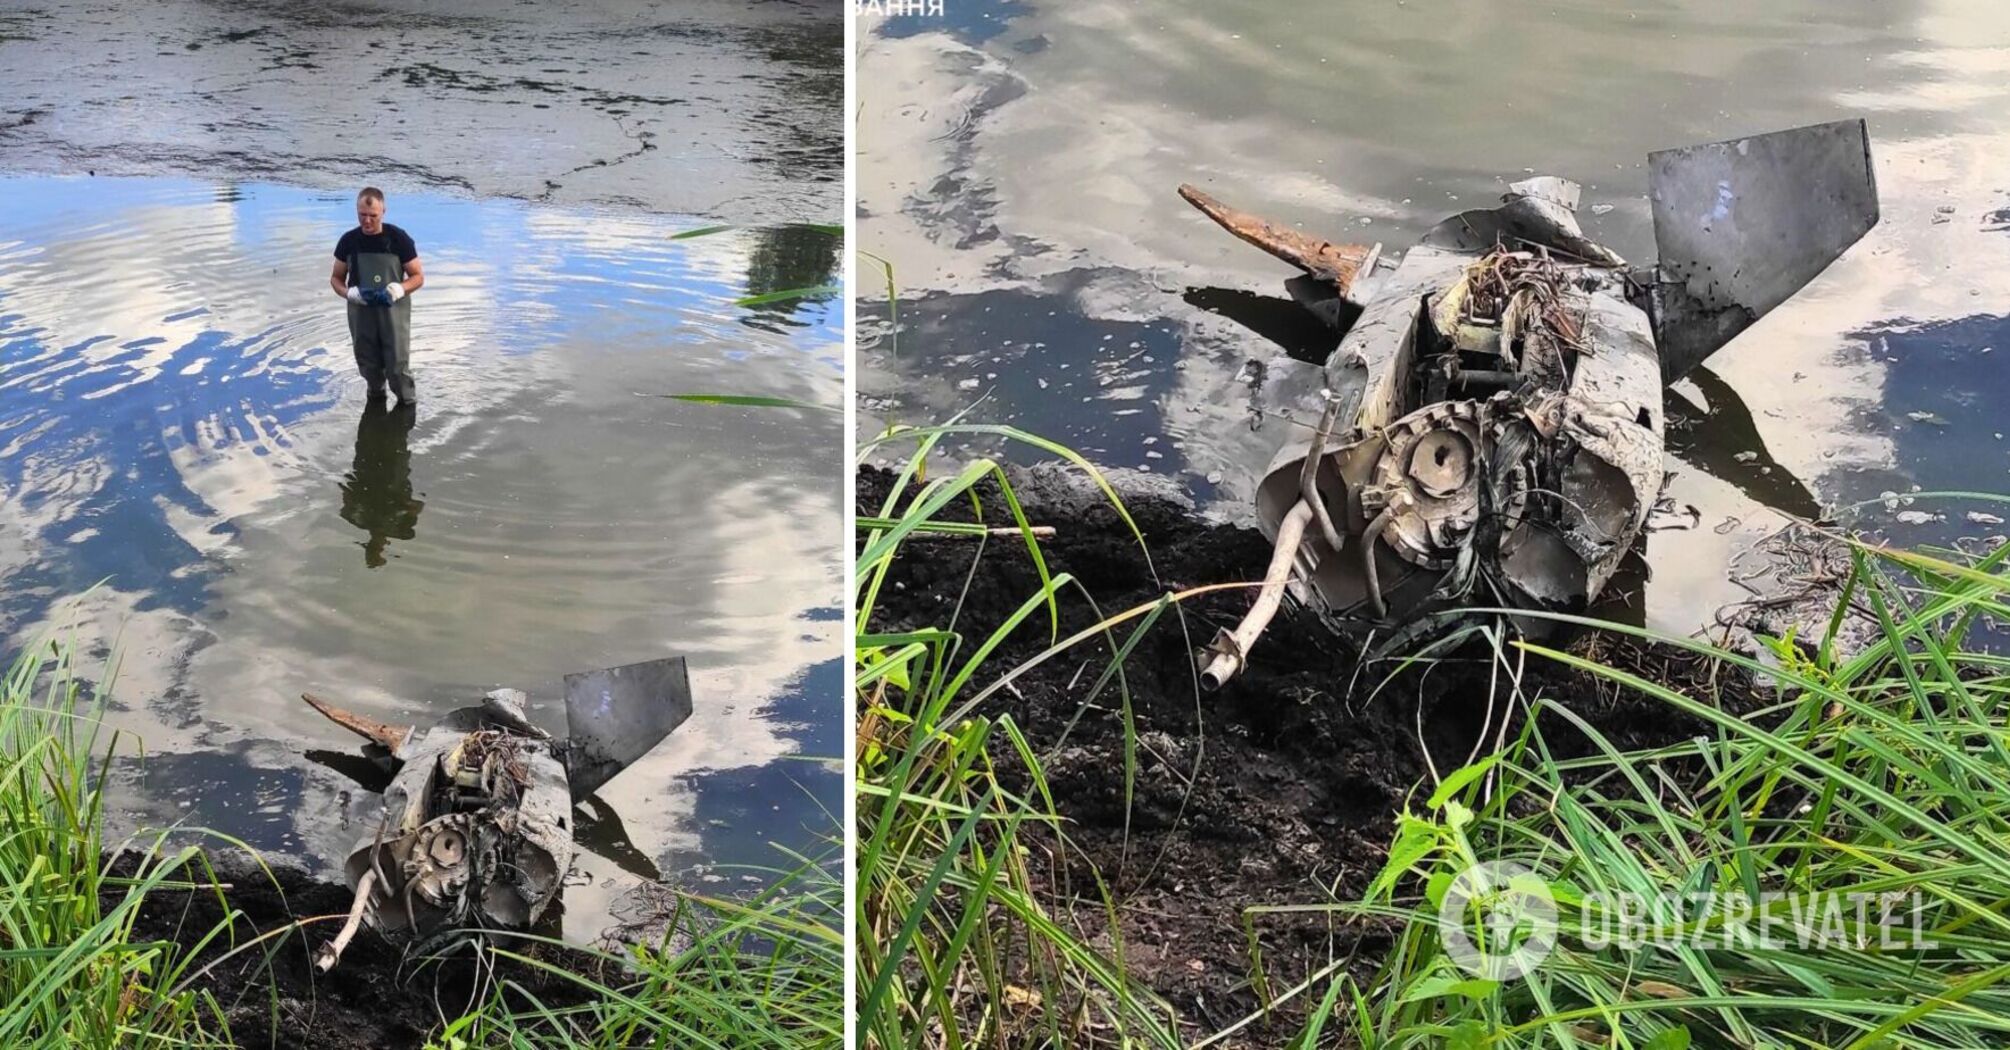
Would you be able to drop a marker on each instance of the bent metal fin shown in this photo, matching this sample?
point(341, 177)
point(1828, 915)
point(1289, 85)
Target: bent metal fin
point(1339, 264)
point(387, 736)
point(1742, 225)
point(614, 716)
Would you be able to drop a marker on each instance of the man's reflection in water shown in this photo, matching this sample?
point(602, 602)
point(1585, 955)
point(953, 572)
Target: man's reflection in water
point(377, 495)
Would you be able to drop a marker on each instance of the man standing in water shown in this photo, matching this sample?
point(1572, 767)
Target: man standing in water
point(376, 270)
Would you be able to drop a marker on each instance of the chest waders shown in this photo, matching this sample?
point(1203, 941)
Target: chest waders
point(382, 334)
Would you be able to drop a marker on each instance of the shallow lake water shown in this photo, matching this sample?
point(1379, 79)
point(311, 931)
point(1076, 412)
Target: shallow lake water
point(1018, 163)
point(185, 443)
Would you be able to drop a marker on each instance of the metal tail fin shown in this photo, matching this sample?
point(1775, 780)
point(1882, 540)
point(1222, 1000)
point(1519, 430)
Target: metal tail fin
point(390, 737)
point(615, 716)
point(1337, 264)
point(1742, 225)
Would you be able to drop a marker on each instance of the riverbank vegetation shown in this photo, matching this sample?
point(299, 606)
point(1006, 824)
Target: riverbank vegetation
point(143, 942)
point(956, 945)
point(1861, 815)
point(1627, 772)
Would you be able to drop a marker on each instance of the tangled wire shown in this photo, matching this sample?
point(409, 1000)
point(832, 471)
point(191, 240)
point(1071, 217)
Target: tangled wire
point(1522, 291)
point(495, 757)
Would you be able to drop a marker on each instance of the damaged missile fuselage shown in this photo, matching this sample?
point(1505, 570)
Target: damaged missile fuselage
point(476, 829)
point(1489, 429)
point(1491, 452)
point(476, 824)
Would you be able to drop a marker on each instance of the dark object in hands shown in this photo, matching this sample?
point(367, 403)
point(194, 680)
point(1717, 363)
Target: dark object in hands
point(376, 297)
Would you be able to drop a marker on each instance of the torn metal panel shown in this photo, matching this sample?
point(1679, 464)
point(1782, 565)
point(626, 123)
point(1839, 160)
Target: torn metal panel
point(1559, 191)
point(1492, 430)
point(1524, 221)
point(615, 716)
point(477, 825)
point(1743, 224)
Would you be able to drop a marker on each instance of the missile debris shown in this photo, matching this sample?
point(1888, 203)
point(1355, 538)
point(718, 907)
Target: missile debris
point(1490, 426)
point(477, 828)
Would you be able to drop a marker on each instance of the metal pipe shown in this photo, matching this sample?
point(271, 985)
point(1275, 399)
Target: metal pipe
point(330, 953)
point(1230, 647)
point(1308, 477)
point(1468, 378)
point(1368, 538)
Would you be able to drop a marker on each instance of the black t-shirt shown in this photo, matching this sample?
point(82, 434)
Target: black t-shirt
point(393, 241)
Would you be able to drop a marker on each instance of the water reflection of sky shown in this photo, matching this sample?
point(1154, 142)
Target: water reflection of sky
point(1037, 159)
point(181, 419)
point(1945, 386)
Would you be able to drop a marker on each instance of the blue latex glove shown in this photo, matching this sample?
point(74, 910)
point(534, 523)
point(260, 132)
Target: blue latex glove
point(376, 297)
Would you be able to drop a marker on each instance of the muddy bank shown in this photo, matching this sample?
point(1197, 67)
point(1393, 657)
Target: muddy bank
point(374, 999)
point(1281, 788)
point(730, 111)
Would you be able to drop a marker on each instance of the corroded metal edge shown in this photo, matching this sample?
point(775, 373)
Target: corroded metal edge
point(1340, 264)
point(383, 734)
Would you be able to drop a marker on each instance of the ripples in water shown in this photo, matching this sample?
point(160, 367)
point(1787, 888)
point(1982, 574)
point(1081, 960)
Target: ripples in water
point(181, 419)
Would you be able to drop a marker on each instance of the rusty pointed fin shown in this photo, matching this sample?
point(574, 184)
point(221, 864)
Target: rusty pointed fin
point(388, 736)
point(1337, 263)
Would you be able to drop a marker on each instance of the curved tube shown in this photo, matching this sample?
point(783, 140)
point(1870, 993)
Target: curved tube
point(328, 954)
point(1229, 647)
point(1308, 478)
point(1368, 538)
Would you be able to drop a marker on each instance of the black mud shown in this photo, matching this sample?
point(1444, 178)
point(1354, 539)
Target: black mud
point(374, 999)
point(1282, 788)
